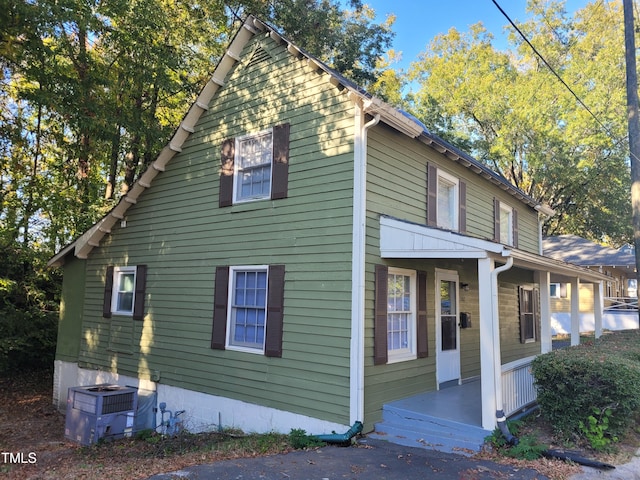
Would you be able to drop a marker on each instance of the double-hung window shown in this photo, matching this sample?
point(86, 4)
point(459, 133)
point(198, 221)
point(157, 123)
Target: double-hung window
point(401, 314)
point(505, 219)
point(124, 281)
point(506, 224)
point(124, 291)
point(447, 216)
point(255, 167)
point(249, 309)
point(446, 200)
point(254, 155)
point(248, 312)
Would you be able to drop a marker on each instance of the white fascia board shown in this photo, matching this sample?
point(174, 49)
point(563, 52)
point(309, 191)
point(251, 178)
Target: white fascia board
point(551, 265)
point(399, 239)
point(92, 237)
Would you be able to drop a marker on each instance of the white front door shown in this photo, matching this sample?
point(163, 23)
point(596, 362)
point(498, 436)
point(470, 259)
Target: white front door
point(447, 327)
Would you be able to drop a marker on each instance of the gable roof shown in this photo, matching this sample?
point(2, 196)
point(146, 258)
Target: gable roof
point(397, 119)
point(583, 252)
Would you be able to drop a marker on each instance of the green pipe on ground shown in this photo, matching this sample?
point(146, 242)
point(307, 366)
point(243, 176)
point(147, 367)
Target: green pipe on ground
point(341, 438)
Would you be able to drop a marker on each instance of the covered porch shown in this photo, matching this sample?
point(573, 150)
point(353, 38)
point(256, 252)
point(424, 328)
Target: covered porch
point(462, 415)
point(450, 419)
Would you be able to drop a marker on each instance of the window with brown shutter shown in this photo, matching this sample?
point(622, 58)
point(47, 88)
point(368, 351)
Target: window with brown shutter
point(446, 200)
point(253, 322)
point(400, 322)
point(124, 291)
point(255, 167)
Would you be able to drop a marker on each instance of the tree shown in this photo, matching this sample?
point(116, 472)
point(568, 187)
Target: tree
point(515, 116)
point(347, 40)
point(93, 90)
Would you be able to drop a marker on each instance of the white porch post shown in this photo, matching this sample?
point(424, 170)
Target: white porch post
point(487, 326)
point(545, 311)
point(575, 311)
point(598, 307)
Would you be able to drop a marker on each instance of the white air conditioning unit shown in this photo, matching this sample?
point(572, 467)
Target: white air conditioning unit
point(100, 412)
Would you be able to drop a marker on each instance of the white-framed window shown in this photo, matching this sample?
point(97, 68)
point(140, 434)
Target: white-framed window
point(247, 315)
point(124, 290)
point(401, 315)
point(554, 290)
point(447, 215)
point(253, 167)
point(506, 224)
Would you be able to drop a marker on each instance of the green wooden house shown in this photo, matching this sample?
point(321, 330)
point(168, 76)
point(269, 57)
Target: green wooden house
point(303, 255)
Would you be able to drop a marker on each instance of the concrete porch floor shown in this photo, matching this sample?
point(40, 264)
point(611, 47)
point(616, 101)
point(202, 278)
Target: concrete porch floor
point(459, 403)
point(448, 420)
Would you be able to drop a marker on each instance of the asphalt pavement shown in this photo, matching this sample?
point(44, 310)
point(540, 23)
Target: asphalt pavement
point(369, 459)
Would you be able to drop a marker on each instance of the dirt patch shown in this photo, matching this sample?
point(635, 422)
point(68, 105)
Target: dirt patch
point(32, 444)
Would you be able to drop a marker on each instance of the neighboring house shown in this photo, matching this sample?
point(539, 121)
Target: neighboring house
point(301, 255)
point(620, 300)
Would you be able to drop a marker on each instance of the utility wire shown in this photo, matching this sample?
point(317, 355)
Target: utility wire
point(553, 70)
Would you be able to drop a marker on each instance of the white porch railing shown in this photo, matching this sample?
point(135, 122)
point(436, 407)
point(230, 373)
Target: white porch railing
point(518, 390)
point(621, 303)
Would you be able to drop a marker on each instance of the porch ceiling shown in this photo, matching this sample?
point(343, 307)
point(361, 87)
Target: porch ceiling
point(402, 239)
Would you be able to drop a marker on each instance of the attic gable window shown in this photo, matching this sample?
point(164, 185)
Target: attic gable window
point(255, 167)
point(252, 176)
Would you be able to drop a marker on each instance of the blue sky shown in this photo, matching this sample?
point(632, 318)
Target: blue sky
point(419, 21)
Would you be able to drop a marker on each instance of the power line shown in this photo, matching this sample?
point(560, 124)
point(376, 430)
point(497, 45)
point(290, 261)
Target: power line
point(578, 99)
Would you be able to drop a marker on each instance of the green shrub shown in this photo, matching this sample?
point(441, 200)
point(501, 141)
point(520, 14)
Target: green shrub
point(575, 383)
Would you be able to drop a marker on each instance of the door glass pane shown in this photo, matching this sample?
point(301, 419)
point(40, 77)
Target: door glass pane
point(448, 315)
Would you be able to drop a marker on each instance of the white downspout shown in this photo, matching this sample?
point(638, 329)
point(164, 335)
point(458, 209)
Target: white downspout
point(497, 361)
point(356, 382)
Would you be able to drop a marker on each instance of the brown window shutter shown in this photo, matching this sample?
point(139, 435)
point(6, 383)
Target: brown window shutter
point(496, 220)
point(280, 176)
point(225, 196)
point(275, 312)
point(108, 291)
point(536, 313)
point(220, 298)
point(522, 316)
point(462, 206)
point(141, 282)
point(514, 220)
point(432, 195)
point(380, 354)
point(422, 332)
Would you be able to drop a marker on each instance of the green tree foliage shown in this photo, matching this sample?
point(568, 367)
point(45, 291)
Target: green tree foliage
point(91, 91)
point(513, 114)
point(29, 297)
point(348, 40)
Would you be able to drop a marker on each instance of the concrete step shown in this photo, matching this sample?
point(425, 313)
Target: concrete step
point(415, 429)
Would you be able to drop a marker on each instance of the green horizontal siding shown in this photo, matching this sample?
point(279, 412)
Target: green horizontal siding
point(71, 307)
point(180, 233)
